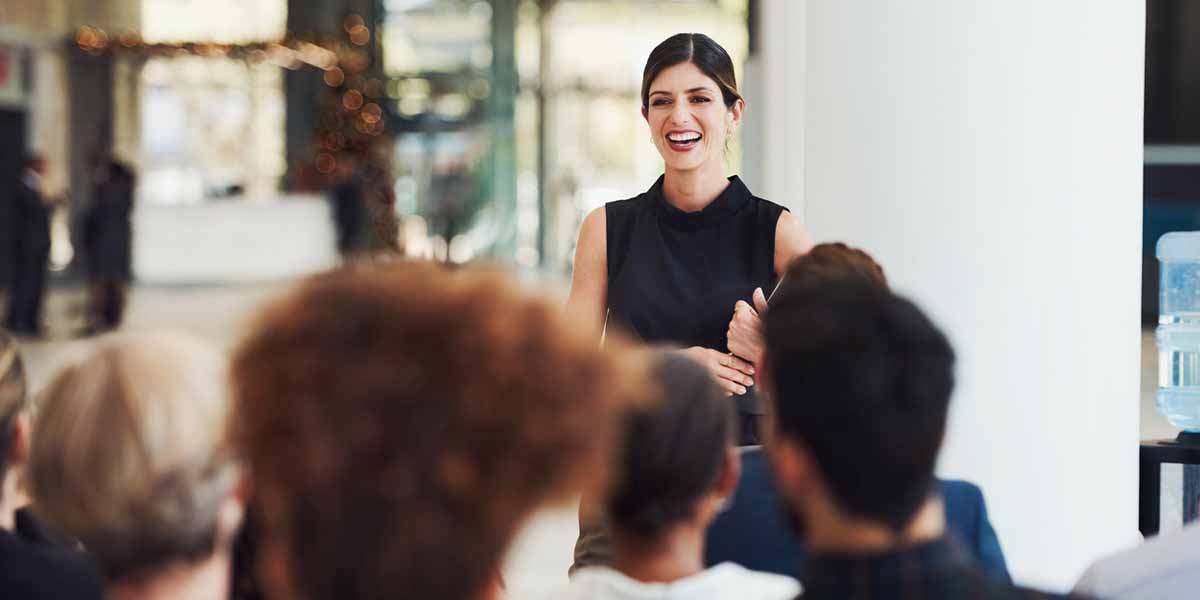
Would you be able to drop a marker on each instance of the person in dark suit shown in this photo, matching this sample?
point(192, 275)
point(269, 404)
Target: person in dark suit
point(33, 564)
point(349, 208)
point(754, 532)
point(31, 211)
point(108, 240)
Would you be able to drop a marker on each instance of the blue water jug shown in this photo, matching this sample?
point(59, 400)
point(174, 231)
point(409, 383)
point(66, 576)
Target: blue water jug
point(1178, 333)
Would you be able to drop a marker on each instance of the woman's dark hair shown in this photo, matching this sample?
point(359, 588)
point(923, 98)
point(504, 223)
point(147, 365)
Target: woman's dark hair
point(672, 451)
point(698, 49)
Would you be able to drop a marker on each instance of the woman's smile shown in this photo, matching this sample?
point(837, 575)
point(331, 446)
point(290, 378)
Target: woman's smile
point(683, 140)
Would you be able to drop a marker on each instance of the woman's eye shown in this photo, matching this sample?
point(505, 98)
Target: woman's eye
point(660, 103)
point(700, 99)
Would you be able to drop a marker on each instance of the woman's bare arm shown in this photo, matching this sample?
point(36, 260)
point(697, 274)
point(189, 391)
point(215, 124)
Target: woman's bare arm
point(589, 281)
point(791, 240)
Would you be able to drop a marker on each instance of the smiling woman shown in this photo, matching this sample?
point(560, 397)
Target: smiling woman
point(672, 265)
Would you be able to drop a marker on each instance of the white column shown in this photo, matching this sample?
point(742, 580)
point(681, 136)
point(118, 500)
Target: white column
point(47, 113)
point(127, 110)
point(989, 154)
point(775, 107)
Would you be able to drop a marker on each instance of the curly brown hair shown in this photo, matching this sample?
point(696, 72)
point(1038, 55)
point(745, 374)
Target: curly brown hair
point(835, 259)
point(401, 421)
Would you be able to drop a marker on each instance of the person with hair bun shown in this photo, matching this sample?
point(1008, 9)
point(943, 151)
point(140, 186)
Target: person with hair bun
point(669, 265)
point(677, 469)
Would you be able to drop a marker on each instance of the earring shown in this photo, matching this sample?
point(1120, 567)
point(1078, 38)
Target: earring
point(722, 505)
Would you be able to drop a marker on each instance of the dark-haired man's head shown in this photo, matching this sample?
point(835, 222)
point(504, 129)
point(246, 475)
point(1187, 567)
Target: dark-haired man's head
point(678, 463)
point(860, 382)
point(14, 426)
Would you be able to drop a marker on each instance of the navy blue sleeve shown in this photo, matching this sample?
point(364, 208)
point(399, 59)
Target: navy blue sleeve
point(966, 516)
point(987, 545)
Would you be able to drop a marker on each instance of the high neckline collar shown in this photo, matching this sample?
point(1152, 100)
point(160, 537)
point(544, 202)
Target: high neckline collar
point(729, 201)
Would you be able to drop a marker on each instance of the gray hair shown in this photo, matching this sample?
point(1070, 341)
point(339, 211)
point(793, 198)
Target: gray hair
point(129, 452)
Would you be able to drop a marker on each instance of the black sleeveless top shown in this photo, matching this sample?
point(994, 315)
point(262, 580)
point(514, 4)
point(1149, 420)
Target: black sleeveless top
point(674, 276)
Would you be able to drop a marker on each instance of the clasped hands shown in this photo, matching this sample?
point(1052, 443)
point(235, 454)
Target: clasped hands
point(734, 371)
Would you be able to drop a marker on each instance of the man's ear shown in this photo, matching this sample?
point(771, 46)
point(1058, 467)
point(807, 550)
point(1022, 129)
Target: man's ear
point(19, 444)
point(731, 473)
point(792, 466)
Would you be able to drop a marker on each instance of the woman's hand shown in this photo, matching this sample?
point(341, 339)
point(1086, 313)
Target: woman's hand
point(733, 374)
point(745, 334)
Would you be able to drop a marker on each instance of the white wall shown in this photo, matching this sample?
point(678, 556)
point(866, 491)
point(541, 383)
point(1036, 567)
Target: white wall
point(989, 155)
point(774, 110)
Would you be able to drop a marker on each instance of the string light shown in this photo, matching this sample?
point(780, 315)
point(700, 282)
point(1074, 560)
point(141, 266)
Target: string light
point(347, 122)
point(352, 100)
point(334, 77)
point(353, 21)
point(290, 52)
point(360, 35)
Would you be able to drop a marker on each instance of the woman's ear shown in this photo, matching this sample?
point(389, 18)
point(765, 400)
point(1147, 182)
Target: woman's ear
point(735, 114)
point(645, 114)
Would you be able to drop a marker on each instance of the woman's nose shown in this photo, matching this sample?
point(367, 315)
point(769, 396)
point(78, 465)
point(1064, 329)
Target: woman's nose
point(680, 114)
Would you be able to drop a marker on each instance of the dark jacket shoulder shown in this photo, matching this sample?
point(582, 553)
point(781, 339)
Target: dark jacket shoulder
point(34, 566)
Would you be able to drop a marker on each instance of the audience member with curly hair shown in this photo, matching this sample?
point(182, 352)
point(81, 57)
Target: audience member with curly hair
point(401, 423)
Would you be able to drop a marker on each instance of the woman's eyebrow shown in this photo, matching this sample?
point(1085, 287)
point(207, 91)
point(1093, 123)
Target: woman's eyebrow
point(691, 91)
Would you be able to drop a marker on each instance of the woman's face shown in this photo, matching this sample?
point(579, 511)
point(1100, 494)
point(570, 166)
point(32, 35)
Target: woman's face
point(688, 118)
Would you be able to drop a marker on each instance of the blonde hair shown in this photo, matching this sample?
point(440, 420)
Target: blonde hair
point(129, 452)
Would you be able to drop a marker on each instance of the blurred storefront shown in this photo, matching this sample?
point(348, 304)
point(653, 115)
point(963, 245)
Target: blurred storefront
point(484, 128)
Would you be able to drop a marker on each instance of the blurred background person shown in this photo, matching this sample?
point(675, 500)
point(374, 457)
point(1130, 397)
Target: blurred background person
point(108, 239)
point(1166, 567)
point(453, 192)
point(348, 207)
point(402, 422)
point(33, 564)
point(31, 223)
point(678, 469)
point(130, 457)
